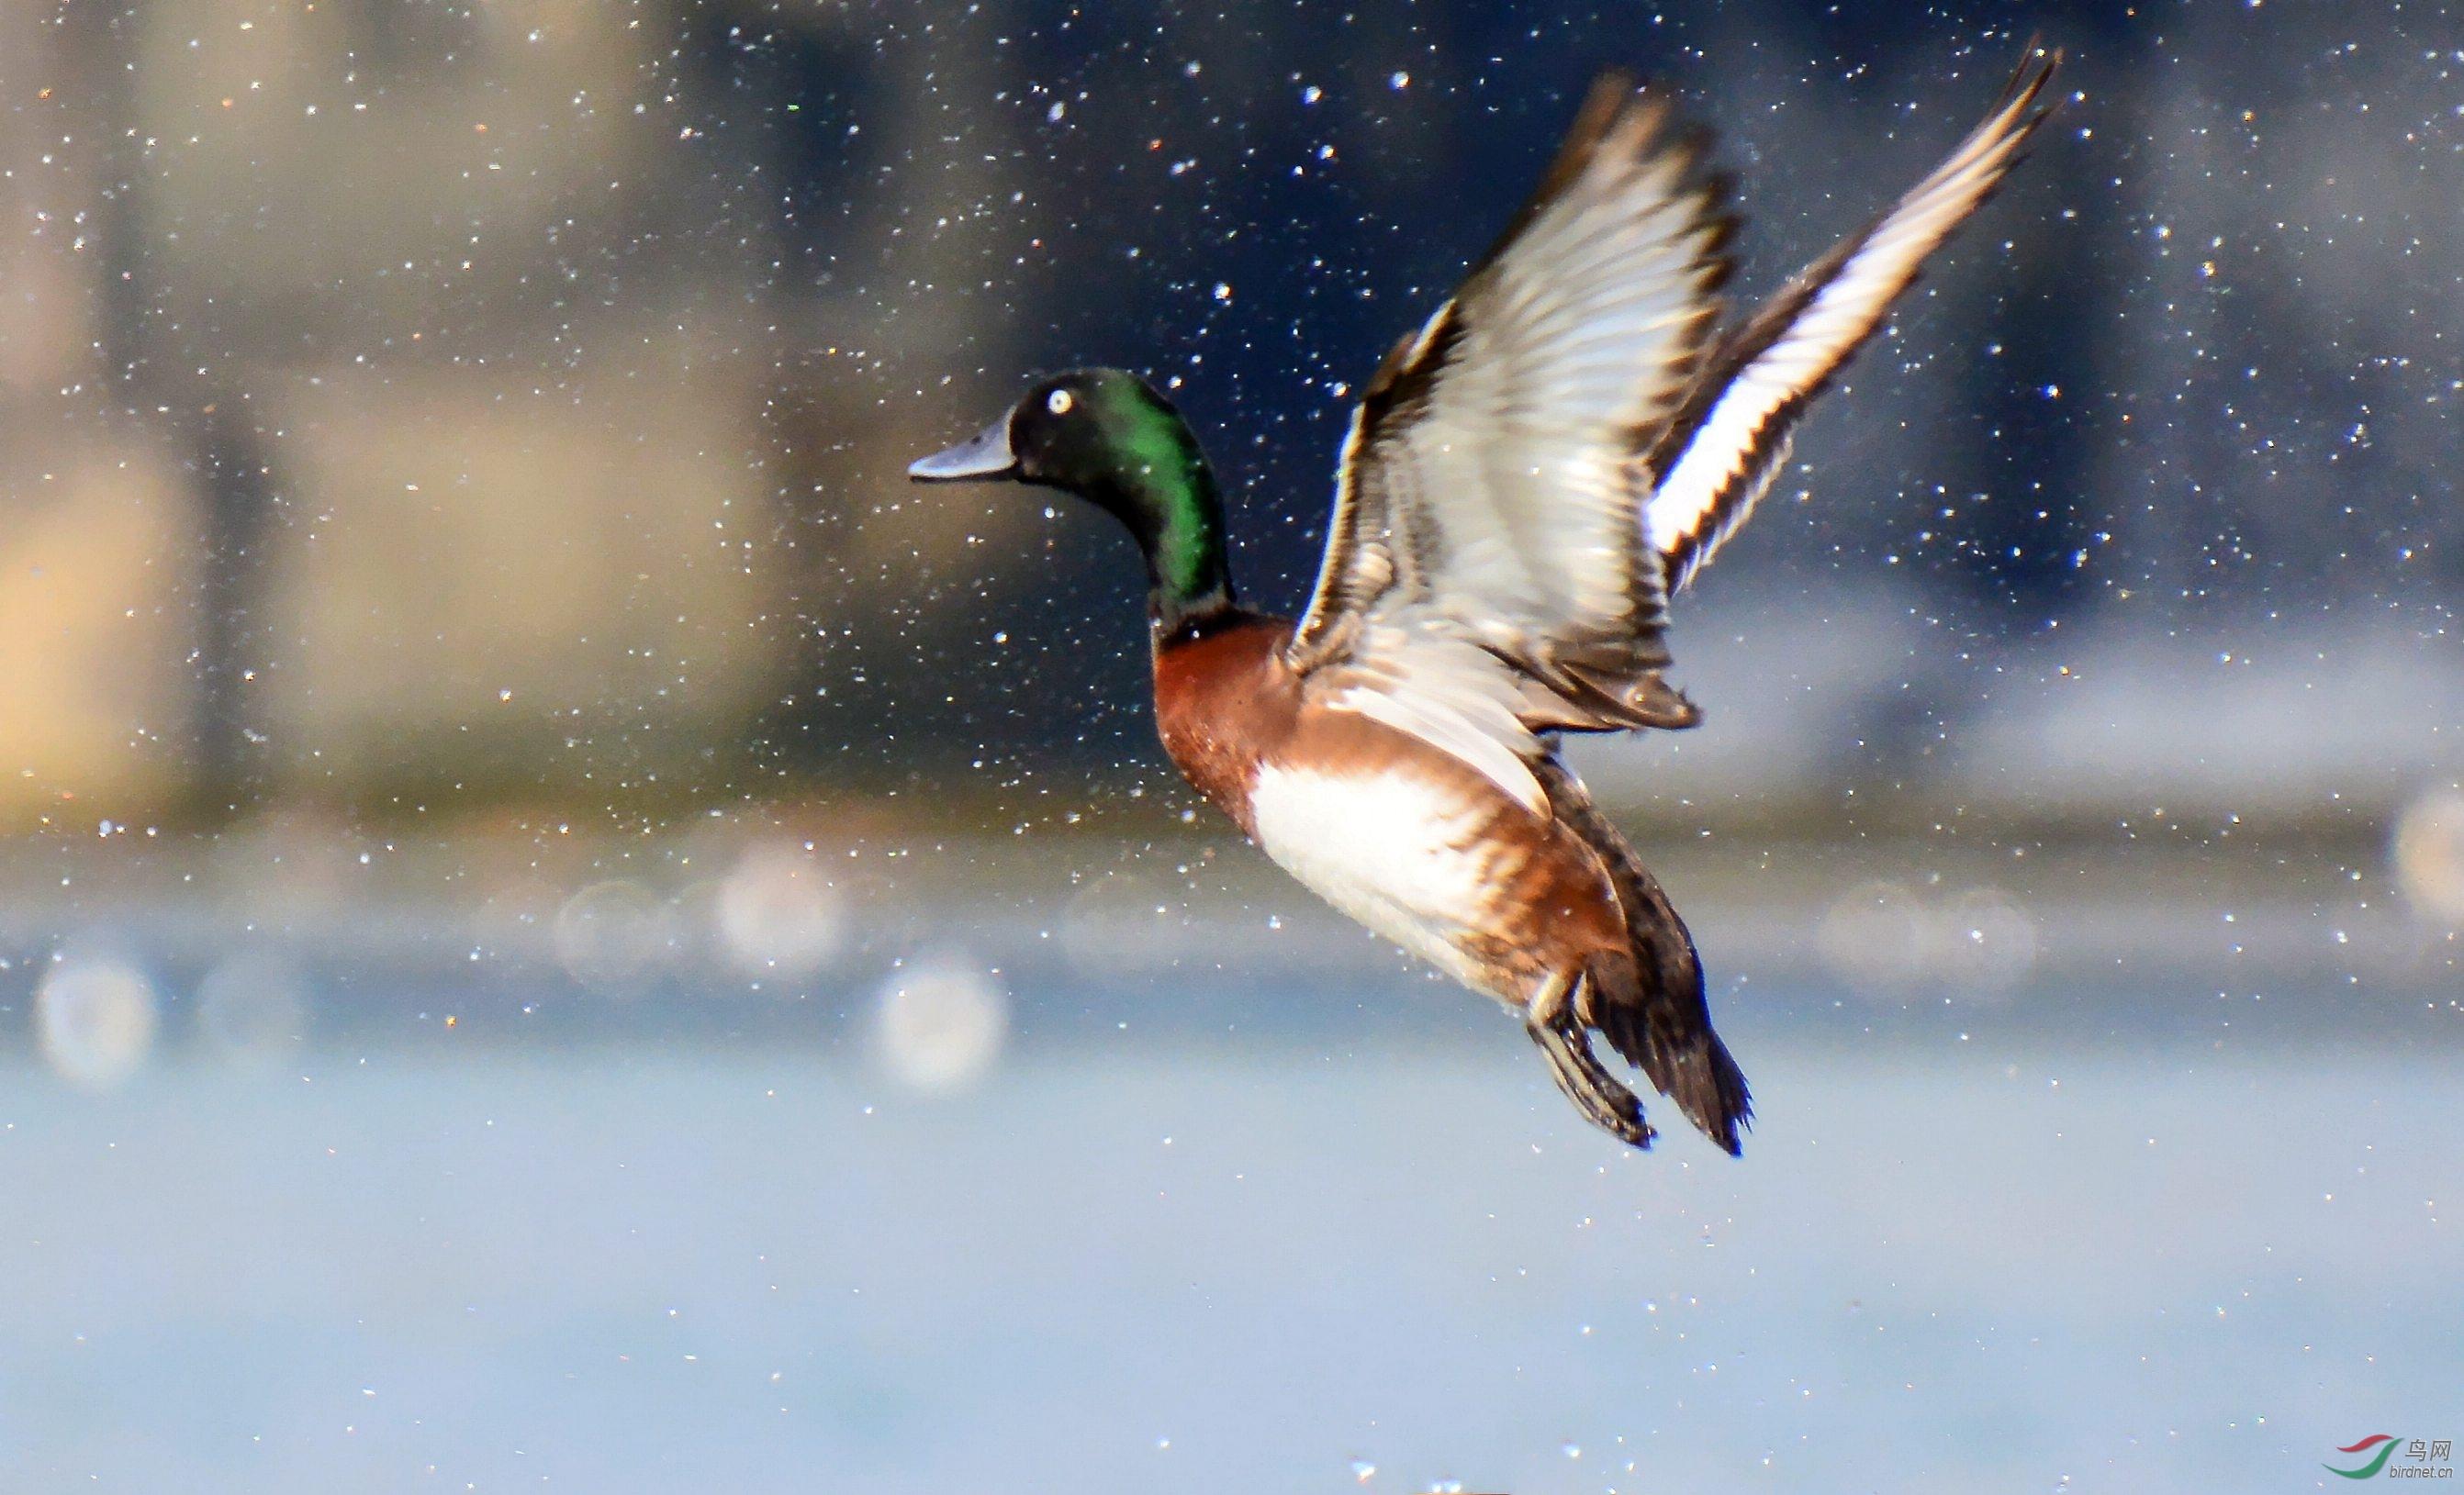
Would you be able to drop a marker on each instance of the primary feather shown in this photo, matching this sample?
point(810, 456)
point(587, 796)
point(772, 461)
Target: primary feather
point(1490, 489)
point(1720, 455)
point(1561, 445)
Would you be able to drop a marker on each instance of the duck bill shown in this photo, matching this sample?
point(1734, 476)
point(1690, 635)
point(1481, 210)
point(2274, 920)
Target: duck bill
point(982, 457)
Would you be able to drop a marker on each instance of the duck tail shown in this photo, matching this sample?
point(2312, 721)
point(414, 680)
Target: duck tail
point(1651, 1009)
point(1647, 998)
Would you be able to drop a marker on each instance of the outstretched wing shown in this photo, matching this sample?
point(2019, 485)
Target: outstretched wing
point(1720, 454)
point(1492, 484)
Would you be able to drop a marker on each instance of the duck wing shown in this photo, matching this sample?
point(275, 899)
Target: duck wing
point(1716, 459)
point(1486, 570)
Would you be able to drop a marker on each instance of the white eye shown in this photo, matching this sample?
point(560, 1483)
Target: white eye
point(1059, 402)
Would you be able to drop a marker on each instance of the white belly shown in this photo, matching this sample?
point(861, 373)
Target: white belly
point(1385, 848)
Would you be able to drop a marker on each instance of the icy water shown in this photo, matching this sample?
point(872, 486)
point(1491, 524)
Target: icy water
point(1177, 1263)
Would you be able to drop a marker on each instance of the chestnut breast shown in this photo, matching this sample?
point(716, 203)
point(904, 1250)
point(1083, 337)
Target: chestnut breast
point(1400, 835)
point(1224, 700)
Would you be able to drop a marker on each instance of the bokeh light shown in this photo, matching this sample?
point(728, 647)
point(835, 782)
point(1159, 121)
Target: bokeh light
point(1888, 939)
point(253, 1009)
point(777, 912)
point(2430, 855)
point(1875, 937)
point(1987, 942)
point(940, 1023)
point(95, 1019)
point(613, 936)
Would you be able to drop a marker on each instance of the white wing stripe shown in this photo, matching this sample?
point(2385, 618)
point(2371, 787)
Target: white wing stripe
point(1684, 519)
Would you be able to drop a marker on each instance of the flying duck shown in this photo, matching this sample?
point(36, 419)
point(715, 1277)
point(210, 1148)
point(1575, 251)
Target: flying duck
point(1526, 480)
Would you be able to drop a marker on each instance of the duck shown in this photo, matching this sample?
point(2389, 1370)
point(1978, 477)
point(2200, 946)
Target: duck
point(1526, 480)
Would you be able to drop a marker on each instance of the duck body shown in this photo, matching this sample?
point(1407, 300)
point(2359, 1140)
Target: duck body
point(1400, 835)
point(1527, 481)
point(1547, 910)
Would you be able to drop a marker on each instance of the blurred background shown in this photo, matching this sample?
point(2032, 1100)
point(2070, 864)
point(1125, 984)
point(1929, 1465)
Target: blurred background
point(560, 924)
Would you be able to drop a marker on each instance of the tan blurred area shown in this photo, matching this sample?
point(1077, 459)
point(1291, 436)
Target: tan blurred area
point(93, 632)
point(359, 423)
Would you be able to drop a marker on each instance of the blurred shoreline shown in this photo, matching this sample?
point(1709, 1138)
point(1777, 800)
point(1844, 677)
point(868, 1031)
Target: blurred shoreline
point(794, 924)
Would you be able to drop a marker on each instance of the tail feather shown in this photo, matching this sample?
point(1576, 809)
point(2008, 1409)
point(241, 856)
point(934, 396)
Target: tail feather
point(1647, 1000)
point(1657, 1018)
point(1689, 1065)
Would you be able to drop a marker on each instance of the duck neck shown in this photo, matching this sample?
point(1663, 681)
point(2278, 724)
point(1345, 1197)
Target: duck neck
point(1167, 497)
point(1188, 582)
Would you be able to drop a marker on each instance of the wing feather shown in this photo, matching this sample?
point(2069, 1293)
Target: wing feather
point(1491, 477)
point(1726, 444)
point(1529, 475)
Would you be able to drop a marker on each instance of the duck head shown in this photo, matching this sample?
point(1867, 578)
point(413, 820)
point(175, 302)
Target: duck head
point(1107, 437)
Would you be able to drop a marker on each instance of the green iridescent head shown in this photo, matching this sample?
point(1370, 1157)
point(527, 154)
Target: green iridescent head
point(1105, 436)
